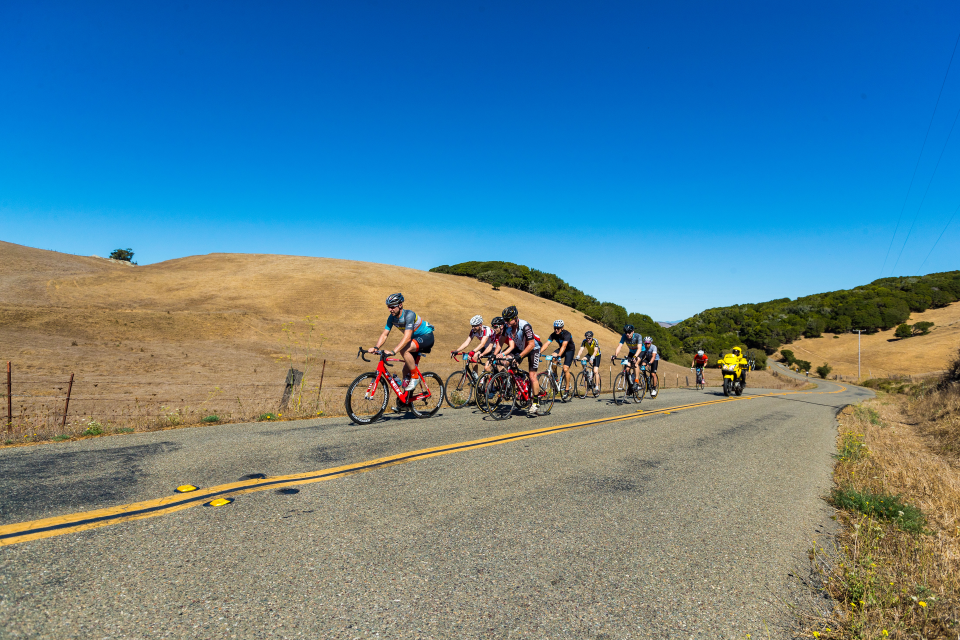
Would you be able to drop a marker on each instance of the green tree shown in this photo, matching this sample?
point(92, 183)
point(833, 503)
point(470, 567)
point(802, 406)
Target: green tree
point(922, 328)
point(824, 370)
point(788, 356)
point(122, 254)
point(903, 331)
point(804, 365)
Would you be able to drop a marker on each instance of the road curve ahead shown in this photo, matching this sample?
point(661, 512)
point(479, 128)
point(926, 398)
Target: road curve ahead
point(681, 517)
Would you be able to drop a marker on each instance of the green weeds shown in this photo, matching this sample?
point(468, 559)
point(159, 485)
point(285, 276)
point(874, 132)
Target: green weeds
point(881, 507)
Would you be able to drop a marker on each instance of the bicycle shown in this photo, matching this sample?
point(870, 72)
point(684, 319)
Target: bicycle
point(586, 381)
point(647, 384)
point(624, 386)
point(368, 394)
point(701, 383)
point(461, 385)
point(510, 389)
point(551, 375)
point(484, 392)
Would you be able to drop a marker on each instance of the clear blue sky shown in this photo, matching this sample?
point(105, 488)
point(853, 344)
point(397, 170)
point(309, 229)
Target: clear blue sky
point(666, 156)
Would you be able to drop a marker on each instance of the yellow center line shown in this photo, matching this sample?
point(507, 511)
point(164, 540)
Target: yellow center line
point(81, 521)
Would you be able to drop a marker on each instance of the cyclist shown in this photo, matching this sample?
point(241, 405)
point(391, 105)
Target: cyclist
point(565, 339)
point(417, 338)
point(523, 343)
point(699, 362)
point(593, 353)
point(481, 332)
point(632, 339)
point(650, 358)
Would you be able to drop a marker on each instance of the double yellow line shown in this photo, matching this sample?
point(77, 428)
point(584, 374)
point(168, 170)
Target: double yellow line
point(71, 523)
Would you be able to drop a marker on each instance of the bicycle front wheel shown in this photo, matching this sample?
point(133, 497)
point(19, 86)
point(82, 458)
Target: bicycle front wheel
point(620, 389)
point(640, 389)
point(459, 389)
point(546, 398)
point(431, 386)
point(565, 392)
point(363, 403)
point(580, 385)
point(500, 396)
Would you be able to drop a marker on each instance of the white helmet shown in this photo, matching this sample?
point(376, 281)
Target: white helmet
point(476, 321)
point(648, 340)
point(558, 324)
point(700, 352)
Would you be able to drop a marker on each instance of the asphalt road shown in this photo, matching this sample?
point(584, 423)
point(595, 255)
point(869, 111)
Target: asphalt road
point(684, 524)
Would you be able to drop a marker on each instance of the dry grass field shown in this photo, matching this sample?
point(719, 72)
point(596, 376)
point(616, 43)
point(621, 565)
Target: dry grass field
point(882, 354)
point(170, 343)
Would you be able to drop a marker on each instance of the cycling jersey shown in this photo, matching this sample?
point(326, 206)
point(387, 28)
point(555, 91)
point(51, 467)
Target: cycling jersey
point(700, 361)
point(482, 332)
point(649, 353)
point(560, 338)
point(632, 343)
point(593, 347)
point(522, 334)
point(409, 320)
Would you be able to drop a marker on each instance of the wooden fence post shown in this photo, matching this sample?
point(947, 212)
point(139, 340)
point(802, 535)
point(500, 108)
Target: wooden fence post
point(320, 387)
point(66, 407)
point(293, 379)
point(9, 400)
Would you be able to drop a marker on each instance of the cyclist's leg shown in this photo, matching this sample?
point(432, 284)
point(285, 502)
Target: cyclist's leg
point(653, 373)
point(534, 361)
point(567, 361)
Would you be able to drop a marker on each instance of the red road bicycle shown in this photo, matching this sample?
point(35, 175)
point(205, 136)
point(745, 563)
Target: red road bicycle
point(510, 389)
point(367, 396)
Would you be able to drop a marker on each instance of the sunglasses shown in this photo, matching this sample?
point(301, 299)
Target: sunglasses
point(396, 306)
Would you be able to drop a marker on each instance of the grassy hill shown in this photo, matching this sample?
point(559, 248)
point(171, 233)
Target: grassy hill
point(207, 332)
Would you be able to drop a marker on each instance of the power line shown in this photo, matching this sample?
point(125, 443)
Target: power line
point(917, 214)
point(938, 239)
point(922, 147)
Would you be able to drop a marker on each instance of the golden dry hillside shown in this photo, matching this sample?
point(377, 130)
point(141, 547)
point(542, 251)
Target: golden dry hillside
point(883, 355)
point(204, 329)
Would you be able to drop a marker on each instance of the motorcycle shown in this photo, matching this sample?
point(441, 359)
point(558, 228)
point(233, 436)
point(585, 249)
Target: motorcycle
point(733, 380)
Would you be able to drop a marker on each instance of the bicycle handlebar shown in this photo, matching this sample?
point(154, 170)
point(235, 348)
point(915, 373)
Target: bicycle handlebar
point(362, 353)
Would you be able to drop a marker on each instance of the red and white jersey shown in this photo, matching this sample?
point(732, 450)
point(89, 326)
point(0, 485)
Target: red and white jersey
point(481, 332)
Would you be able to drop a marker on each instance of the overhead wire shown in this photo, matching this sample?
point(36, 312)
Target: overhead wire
point(922, 148)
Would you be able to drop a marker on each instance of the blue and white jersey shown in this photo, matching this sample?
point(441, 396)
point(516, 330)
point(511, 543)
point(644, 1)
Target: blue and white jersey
point(409, 320)
point(633, 342)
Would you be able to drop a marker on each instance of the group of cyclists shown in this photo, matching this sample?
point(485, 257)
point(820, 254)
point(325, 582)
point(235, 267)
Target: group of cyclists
point(508, 337)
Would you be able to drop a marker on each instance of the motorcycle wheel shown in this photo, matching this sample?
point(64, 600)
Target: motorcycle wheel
point(727, 384)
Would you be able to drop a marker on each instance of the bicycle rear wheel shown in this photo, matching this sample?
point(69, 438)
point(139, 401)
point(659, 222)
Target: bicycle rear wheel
point(362, 406)
point(566, 392)
point(501, 386)
point(459, 389)
point(545, 400)
point(426, 407)
point(620, 389)
point(596, 387)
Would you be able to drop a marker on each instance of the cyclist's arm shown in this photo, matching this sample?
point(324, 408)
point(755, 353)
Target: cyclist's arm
point(511, 345)
point(484, 343)
point(527, 349)
point(381, 340)
point(580, 353)
point(563, 347)
point(465, 343)
point(407, 337)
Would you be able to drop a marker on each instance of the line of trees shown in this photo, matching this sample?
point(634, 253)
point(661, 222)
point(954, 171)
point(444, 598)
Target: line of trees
point(880, 305)
point(547, 285)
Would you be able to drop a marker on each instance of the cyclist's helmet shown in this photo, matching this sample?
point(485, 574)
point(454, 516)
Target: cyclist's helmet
point(648, 340)
point(558, 324)
point(588, 335)
point(628, 328)
point(476, 321)
point(510, 313)
point(736, 351)
point(700, 352)
point(394, 299)
point(497, 322)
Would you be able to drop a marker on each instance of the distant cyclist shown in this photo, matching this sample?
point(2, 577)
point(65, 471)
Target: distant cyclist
point(632, 339)
point(593, 354)
point(651, 359)
point(565, 339)
point(417, 336)
point(699, 362)
point(481, 332)
point(523, 343)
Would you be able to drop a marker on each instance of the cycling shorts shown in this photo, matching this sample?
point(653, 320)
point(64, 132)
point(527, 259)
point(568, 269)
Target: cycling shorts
point(594, 361)
point(632, 354)
point(423, 344)
point(533, 359)
point(652, 366)
point(567, 357)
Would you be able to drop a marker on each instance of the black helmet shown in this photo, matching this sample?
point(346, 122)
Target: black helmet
point(628, 328)
point(497, 322)
point(394, 299)
point(588, 334)
point(510, 313)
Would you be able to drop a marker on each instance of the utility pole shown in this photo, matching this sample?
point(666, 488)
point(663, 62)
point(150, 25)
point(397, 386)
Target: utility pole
point(859, 332)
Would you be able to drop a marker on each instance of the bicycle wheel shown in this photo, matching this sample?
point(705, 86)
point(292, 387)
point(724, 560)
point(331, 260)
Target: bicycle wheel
point(565, 392)
point(459, 389)
point(546, 398)
point(580, 385)
point(361, 406)
point(426, 407)
point(595, 389)
point(640, 389)
point(620, 389)
point(500, 406)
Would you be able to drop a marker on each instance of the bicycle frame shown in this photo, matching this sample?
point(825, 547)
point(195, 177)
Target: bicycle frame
point(402, 395)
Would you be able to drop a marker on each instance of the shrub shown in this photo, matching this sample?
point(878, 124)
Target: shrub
point(881, 507)
point(788, 356)
point(94, 428)
point(903, 331)
point(824, 370)
point(212, 419)
point(922, 328)
point(951, 377)
point(122, 254)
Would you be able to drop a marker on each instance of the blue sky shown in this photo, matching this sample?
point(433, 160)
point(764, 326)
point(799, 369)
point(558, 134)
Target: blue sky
point(669, 157)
